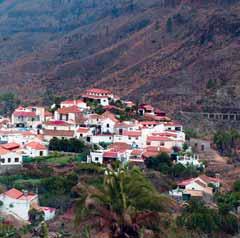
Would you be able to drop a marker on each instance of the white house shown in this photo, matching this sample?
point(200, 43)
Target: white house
point(83, 132)
point(106, 138)
point(201, 183)
point(133, 138)
point(190, 160)
point(18, 204)
point(107, 122)
point(35, 149)
point(164, 141)
point(8, 157)
point(79, 103)
point(101, 96)
point(58, 129)
point(28, 117)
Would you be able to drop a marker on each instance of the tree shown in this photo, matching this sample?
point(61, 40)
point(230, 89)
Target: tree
point(162, 162)
point(44, 230)
point(35, 216)
point(227, 141)
point(125, 203)
point(236, 186)
point(169, 25)
point(197, 217)
point(9, 102)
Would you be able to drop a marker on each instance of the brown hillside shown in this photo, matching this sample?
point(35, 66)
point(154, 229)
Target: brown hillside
point(165, 52)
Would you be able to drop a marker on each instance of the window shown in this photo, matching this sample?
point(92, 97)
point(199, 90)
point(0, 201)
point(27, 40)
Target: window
point(2, 161)
point(41, 153)
point(16, 160)
point(9, 160)
point(148, 143)
point(129, 138)
point(108, 125)
point(162, 144)
point(96, 159)
point(81, 135)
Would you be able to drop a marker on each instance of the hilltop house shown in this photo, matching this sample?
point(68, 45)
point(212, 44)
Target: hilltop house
point(100, 96)
point(18, 204)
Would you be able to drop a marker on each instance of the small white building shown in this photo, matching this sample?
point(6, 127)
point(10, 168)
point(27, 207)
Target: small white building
point(133, 138)
point(79, 103)
point(190, 160)
point(8, 157)
point(31, 117)
point(101, 96)
point(35, 149)
point(106, 138)
point(18, 204)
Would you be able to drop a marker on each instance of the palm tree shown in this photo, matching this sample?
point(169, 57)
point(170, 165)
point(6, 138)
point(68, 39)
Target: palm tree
point(123, 206)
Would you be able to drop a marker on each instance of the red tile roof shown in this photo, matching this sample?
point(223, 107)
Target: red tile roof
point(66, 110)
point(57, 123)
point(36, 145)
point(14, 193)
point(10, 146)
point(132, 133)
point(158, 138)
point(24, 114)
point(136, 152)
point(165, 134)
point(208, 179)
point(152, 151)
point(4, 151)
point(109, 115)
point(58, 133)
point(83, 130)
point(110, 154)
point(120, 146)
point(186, 182)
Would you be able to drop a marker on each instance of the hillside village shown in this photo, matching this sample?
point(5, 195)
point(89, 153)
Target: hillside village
point(113, 130)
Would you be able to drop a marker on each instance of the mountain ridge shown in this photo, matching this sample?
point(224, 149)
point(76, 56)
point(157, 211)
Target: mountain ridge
point(159, 52)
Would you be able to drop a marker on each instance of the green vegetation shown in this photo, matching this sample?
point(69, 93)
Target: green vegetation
point(72, 145)
point(199, 218)
point(190, 133)
point(169, 25)
point(227, 141)
point(57, 158)
point(165, 165)
point(230, 201)
point(126, 203)
point(8, 103)
point(211, 84)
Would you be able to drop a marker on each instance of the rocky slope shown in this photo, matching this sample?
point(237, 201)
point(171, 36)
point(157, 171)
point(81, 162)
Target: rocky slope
point(172, 53)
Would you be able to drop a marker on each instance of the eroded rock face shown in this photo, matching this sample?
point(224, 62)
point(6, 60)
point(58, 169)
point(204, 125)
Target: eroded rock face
point(167, 52)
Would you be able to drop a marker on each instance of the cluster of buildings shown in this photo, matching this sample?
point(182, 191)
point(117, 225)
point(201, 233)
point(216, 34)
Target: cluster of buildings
point(28, 132)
